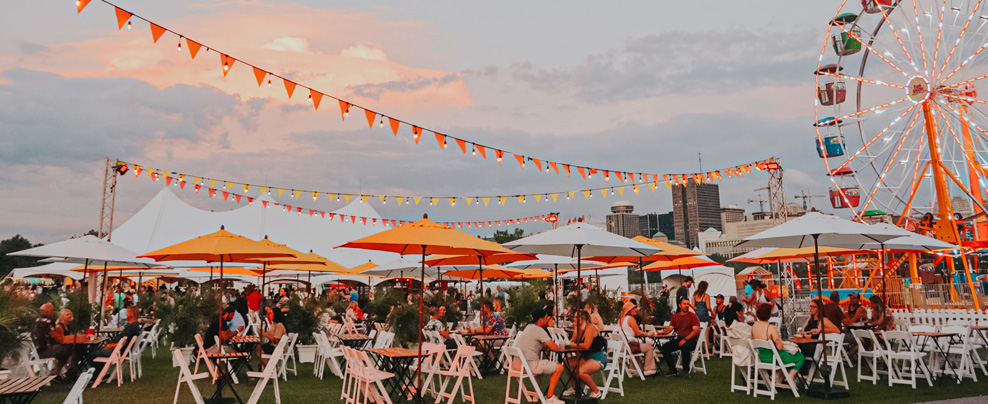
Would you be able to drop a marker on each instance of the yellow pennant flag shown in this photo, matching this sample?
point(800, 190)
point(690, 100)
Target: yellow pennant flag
point(603, 192)
point(502, 200)
point(330, 196)
point(668, 184)
point(486, 200)
point(587, 193)
point(296, 194)
point(315, 195)
point(572, 194)
point(263, 190)
point(281, 191)
point(554, 196)
point(636, 188)
point(166, 173)
point(521, 198)
point(469, 200)
point(196, 180)
point(346, 198)
point(381, 197)
point(400, 199)
point(621, 191)
point(538, 198)
point(651, 186)
point(435, 201)
point(364, 198)
point(212, 184)
point(418, 199)
point(229, 185)
point(452, 201)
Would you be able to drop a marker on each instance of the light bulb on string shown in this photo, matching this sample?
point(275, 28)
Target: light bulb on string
point(381, 125)
point(78, 3)
point(385, 200)
point(269, 83)
point(474, 152)
point(346, 114)
point(337, 198)
point(226, 66)
point(129, 25)
point(179, 44)
point(310, 98)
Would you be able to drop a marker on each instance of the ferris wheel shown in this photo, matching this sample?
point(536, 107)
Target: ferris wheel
point(900, 125)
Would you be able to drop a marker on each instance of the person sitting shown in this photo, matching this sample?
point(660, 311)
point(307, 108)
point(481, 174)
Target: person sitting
point(237, 324)
point(881, 316)
point(493, 322)
point(436, 324)
point(813, 327)
point(224, 333)
point(687, 327)
point(532, 341)
point(130, 330)
point(272, 335)
point(733, 312)
point(763, 330)
point(856, 313)
point(595, 317)
point(832, 310)
point(48, 339)
point(629, 326)
point(593, 355)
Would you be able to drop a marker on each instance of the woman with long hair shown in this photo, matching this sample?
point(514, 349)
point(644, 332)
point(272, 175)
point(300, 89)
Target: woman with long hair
point(593, 356)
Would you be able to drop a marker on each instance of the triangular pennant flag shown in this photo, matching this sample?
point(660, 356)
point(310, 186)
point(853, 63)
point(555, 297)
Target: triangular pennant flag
point(193, 47)
point(212, 192)
point(566, 167)
point(137, 171)
point(353, 219)
point(655, 178)
point(346, 198)
point(500, 156)
point(250, 200)
point(582, 173)
point(486, 200)
point(587, 193)
point(229, 185)
point(236, 197)
point(264, 203)
point(554, 166)
point(538, 198)
point(225, 195)
point(363, 221)
point(212, 183)
point(281, 191)
point(603, 192)
point(290, 88)
point(311, 212)
point(181, 184)
point(370, 117)
point(607, 176)
point(122, 17)
point(481, 149)
point(331, 214)
point(417, 199)
point(394, 125)
point(156, 31)
point(296, 194)
point(81, 4)
point(342, 217)
point(316, 97)
point(168, 180)
point(197, 187)
point(554, 196)
point(746, 168)
point(441, 138)
point(452, 201)
point(263, 190)
point(572, 194)
point(434, 201)
point(502, 200)
point(463, 145)
point(521, 198)
point(521, 160)
point(382, 197)
point(416, 133)
point(621, 191)
point(401, 199)
point(469, 200)
point(364, 198)
point(330, 196)
point(538, 164)
point(651, 186)
point(322, 214)
point(344, 109)
point(394, 223)
point(259, 75)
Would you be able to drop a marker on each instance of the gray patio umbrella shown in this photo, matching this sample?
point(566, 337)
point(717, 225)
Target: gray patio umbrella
point(817, 229)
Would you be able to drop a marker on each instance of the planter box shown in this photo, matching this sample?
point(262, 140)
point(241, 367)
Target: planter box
point(307, 353)
point(187, 353)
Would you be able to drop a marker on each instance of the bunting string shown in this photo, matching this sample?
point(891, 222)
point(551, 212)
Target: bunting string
point(213, 184)
point(315, 97)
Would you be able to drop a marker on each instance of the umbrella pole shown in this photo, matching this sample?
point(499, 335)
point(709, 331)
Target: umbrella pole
point(579, 303)
point(220, 295)
point(102, 298)
point(555, 293)
point(418, 369)
point(480, 267)
point(644, 294)
point(264, 279)
point(827, 392)
point(884, 291)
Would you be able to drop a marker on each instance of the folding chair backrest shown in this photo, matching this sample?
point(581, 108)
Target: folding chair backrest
point(269, 372)
point(185, 375)
point(75, 395)
point(463, 354)
point(201, 355)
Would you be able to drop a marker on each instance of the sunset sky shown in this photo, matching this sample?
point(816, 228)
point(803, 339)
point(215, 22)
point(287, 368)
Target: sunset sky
point(639, 86)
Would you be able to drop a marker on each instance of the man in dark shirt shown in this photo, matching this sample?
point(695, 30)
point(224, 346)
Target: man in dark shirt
point(687, 327)
point(832, 311)
point(48, 339)
point(131, 330)
point(683, 292)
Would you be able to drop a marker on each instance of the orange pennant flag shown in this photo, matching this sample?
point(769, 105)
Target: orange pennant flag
point(582, 172)
point(554, 166)
point(156, 31)
point(316, 97)
point(370, 117)
point(441, 138)
point(521, 160)
point(566, 167)
point(290, 88)
point(537, 163)
point(394, 125)
point(482, 150)
point(416, 133)
point(259, 74)
point(227, 63)
point(344, 109)
point(193, 47)
point(81, 4)
point(122, 17)
point(463, 145)
point(500, 155)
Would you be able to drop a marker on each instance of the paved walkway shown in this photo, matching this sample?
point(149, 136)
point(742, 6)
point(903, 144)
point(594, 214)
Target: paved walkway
point(966, 400)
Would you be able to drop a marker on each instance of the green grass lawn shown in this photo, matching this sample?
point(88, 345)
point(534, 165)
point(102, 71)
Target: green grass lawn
point(158, 386)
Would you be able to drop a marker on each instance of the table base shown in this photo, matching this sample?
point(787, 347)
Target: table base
point(822, 391)
point(579, 400)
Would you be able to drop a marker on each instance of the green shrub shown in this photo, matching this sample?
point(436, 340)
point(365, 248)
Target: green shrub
point(187, 317)
point(524, 299)
point(302, 318)
point(16, 316)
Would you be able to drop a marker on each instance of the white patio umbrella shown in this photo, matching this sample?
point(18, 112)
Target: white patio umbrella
point(400, 268)
point(817, 229)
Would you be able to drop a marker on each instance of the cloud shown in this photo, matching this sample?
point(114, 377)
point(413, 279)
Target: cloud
point(675, 63)
point(374, 91)
point(291, 44)
point(364, 51)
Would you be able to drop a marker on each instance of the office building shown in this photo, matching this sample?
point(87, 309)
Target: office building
point(622, 221)
point(667, 225)
point(695, 208)
point(648, 224)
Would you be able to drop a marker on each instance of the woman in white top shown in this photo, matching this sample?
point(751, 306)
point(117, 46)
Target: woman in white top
point(629, 326)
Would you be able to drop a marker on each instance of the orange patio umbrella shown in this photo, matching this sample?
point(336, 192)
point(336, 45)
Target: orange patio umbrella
point(221, 246)
point(426, 237)
point(668, 252)
point(480, 260)
point(680, 264)
point(498, 272)
point(309, 262)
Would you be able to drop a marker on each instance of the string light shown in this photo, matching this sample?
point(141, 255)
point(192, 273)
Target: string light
point(474, 152)
point(310, 98)
point(179, 44)
point(269, 83)
point(226, 67)
point(385, 200)
point(129, 25)
point(381, 125)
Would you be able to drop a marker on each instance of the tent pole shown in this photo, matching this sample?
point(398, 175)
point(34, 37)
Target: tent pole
point(102, 299)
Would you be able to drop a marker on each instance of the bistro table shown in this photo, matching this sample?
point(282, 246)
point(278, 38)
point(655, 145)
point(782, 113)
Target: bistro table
point(941, 348)
point(808, 344)
point(982, 331)
point(398, 361)
point(225, 378)
point(246, 343)
point(570, 368)
point(353, 340)
point(859, 326)
point(657, 341)
point(490, 346)
point(22, 390)
point(82, 346)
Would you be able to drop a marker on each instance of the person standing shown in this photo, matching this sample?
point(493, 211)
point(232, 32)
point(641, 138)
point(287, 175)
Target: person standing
point(254, 304)
point(687, 327)
point(354, 296)
point(683, 292)
point(701, 302)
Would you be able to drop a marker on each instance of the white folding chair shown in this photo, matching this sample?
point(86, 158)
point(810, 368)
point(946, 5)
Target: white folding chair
point(431, 364)
point(903, 359)
point(870, 350)
point(458, 370)
point(518, 370)
point(184, 376)
point(368, 375)
point(75, 395)
point(835, 354)
point(475, 356)
point(959, 355)
point(742, 360)
point(766, 373)
point(269, 373)
point(630, 357)
point(113, 361)
point(615, 370)
point(201, 357)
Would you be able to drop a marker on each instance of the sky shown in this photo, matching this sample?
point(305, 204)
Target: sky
point(635, 86)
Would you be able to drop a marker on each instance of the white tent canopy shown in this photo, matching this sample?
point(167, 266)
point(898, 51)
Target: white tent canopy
point(720, 279)
point(167, 220)
point(54, 268)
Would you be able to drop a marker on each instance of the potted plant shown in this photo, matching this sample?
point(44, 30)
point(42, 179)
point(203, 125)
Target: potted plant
point(185, 319)
point(16, 317)
point(303, 318)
